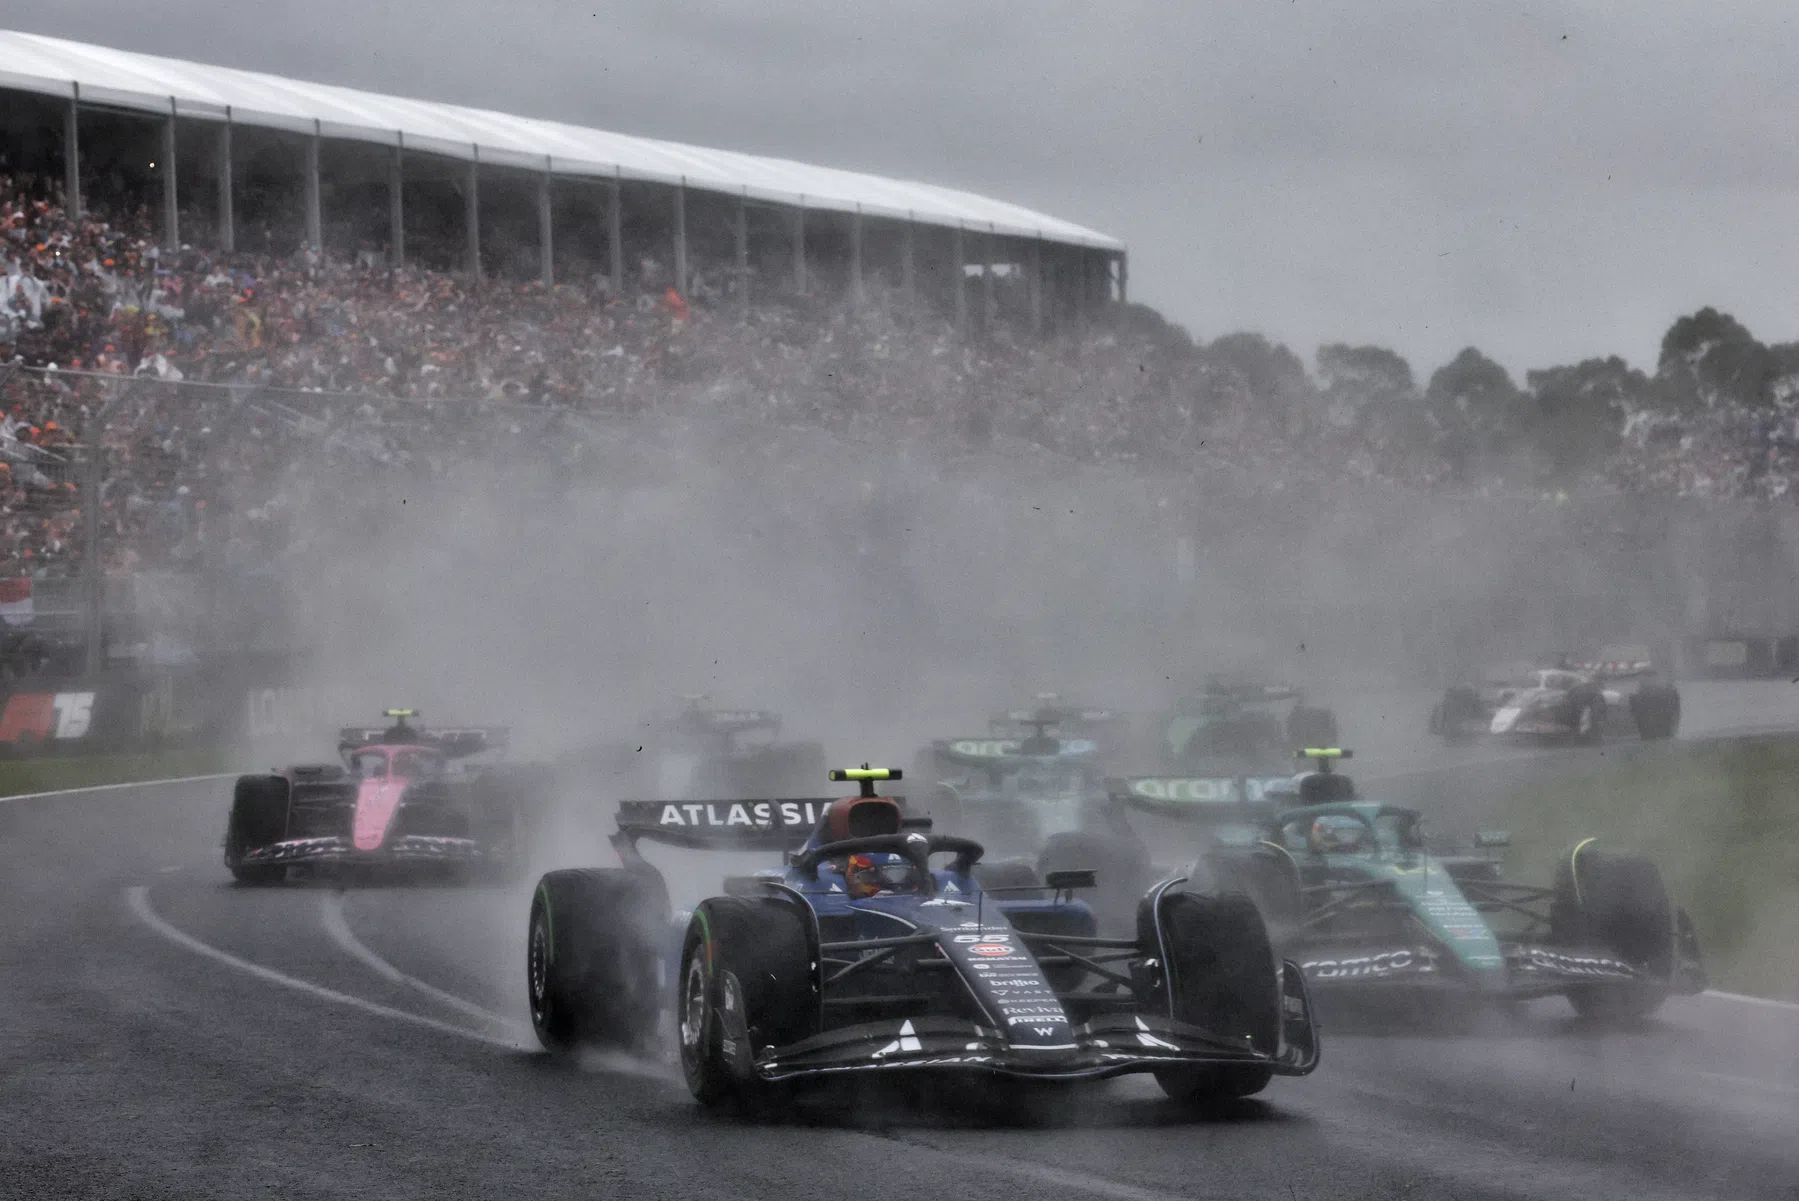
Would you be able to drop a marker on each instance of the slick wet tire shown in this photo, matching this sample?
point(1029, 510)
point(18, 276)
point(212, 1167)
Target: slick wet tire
point(1451, 719)
point(593, 970)
point(1615, 901)
point(1655, 710)
point(1220, 975)
point(258, 818)
point(746, 983)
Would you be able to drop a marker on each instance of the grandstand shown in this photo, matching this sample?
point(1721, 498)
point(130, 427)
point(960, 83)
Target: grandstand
point(240, 160)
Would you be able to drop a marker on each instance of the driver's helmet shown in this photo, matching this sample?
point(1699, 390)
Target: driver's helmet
point(867, 876)
point(1339, 834)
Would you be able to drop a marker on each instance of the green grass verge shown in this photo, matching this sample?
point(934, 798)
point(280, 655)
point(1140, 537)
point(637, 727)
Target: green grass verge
point(1722, 821)
point(49, 774)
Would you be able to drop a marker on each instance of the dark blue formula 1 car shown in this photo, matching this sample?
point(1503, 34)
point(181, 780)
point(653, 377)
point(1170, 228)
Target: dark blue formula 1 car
point(875, 950)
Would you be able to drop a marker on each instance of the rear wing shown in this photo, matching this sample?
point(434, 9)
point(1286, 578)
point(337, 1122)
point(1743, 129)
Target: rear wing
point(741, 825)
point(1202, 798)
point(989, 752)
point(723, 721)
point(1075, 719)
point(454, 742)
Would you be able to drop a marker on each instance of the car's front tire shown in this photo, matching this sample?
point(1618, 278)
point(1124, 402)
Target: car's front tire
point(1222, 976)
point(1615, 901)
point(746, 983)
point(258, 818)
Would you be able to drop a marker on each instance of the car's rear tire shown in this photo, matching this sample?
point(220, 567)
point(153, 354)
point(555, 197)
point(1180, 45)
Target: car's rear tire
point(258, 818)
point(1615, 901)
point(1221, 975)
point(1655, 710)
point(593, 962)
point(1451, 717)
point(747, 982)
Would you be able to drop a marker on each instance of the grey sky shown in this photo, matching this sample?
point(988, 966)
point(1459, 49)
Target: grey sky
point(1545, 181)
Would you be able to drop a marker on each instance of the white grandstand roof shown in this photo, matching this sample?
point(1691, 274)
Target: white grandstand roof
point(153, 84)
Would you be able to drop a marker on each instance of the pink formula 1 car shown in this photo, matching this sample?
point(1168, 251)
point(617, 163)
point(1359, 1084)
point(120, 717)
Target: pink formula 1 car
point(399, 803)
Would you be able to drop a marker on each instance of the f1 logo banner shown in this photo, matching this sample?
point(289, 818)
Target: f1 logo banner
point(46, 716)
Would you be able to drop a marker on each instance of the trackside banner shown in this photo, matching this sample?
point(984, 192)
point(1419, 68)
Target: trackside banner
point(130, 709)
point(772, 823)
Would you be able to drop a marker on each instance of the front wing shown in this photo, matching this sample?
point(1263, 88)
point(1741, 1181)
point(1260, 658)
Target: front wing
point(1526, 970)
point(337, 849)
point(1111, 1044)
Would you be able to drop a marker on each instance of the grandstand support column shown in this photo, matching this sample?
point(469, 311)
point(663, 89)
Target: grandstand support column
point(315, 221)
point(742, 233)
point(171, 194)
point(227, 220)
point(71, 153)
point(959, 280)
point(1124, 279)
point(856, 293)
point(989, 304)
point(908, 263)
point(615, 236)
point(1035, 284)
point(799, 247)
point(546, 237)
point(471, 207)
point(1078, 287)
point(396, 204)
point(680, 223)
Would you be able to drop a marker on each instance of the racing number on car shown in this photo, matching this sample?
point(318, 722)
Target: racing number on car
point(36, 716)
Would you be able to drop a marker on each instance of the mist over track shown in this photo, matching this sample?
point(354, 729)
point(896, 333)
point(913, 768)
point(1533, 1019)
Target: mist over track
point(168, 1034)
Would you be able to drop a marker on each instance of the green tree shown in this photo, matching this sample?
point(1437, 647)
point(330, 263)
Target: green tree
point(1710, 358)
point(1475, 409)
point(1578, 411)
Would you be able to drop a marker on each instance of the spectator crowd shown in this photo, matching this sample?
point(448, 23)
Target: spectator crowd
point(247, 360)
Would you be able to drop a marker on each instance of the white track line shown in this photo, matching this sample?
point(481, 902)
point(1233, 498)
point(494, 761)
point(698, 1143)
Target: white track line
point(1741, 999)
point(33, 796)
point(138, 898)
point(331, 912)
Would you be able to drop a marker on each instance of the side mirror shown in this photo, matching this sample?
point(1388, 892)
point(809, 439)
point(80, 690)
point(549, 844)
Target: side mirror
point(1067, 881)
point(1493, 840)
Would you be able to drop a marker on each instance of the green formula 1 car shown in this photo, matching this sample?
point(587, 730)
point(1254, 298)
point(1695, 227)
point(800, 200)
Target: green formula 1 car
point(1353, 894)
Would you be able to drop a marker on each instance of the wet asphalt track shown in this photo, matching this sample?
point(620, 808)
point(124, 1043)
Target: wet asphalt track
point(166, 1035)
